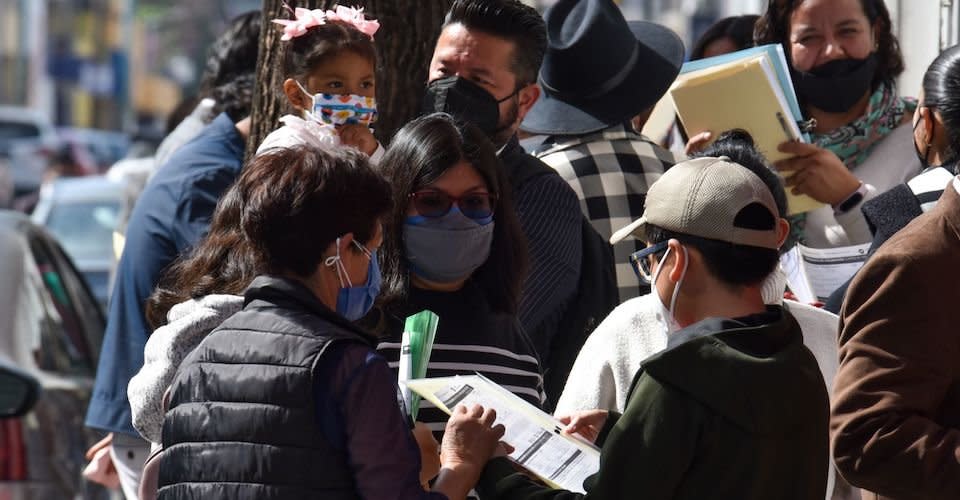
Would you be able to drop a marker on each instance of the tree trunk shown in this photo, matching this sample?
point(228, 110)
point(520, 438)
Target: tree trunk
point(408, 32)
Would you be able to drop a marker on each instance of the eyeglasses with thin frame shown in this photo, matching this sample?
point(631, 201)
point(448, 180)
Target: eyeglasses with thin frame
point(475, 205)
point(640, 260)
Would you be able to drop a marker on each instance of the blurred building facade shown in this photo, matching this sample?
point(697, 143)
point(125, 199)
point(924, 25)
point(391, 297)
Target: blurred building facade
point(117, 64)
point(107, 64)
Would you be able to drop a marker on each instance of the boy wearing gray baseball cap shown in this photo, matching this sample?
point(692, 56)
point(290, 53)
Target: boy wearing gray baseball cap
point(735, 406)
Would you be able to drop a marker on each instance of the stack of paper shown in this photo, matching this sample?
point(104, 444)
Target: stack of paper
point(416, 346)
point(749, 90)
point(560, 460)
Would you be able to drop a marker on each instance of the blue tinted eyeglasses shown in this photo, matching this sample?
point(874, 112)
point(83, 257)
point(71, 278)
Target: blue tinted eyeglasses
point(640, 260)
point(437, 204)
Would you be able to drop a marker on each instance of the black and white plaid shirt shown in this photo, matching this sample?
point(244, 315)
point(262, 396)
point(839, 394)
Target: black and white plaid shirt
point(610, 171)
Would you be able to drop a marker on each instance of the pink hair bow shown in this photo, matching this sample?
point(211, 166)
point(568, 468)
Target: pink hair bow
point(305, 19)
point(354, 17)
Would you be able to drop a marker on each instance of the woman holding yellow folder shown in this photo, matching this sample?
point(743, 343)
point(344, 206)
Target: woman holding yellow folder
point(844, 60)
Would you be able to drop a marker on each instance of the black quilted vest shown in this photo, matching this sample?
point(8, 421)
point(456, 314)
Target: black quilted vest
point(242, 417)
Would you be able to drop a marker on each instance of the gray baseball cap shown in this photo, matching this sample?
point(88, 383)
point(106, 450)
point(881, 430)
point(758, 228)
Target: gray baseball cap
point(706, 197)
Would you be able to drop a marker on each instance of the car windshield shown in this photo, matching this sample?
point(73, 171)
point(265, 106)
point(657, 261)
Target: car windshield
point(85, 229)
point(18, 130)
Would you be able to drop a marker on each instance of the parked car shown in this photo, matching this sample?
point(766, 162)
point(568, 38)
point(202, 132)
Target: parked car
point(26, 137)
point(82, 213)
point(18, 392)
point(51, 329)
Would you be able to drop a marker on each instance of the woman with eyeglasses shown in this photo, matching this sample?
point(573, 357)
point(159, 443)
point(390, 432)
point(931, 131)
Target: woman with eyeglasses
point(453, 245)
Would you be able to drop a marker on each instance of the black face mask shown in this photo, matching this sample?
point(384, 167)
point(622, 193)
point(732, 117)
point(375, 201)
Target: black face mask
point(836, 86)
point(465, 101)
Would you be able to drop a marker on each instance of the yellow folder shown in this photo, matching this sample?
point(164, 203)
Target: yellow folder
point(743, 94)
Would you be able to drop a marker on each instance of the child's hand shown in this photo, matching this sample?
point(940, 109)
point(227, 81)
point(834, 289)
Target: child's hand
point(358, 136)
point(586, 423)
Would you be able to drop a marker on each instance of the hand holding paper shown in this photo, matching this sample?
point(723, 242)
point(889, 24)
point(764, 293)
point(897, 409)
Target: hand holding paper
point(539, 445)
point(470, 438)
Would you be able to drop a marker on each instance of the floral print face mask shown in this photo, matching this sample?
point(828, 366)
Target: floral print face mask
point(343, 109)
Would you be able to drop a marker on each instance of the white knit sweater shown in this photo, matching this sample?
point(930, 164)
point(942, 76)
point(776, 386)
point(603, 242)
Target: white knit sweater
point(611, 357)
point(189, 323)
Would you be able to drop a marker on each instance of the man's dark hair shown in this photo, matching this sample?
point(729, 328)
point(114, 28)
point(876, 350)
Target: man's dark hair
point(738, 145)
point(235, 98)
point(421, 153)
point(297, 201)
point(941, 92)
point(320, 43)
point(735, 265)
point(233, 53)
point(739, 29)
point(228, 76)
point(510, 20)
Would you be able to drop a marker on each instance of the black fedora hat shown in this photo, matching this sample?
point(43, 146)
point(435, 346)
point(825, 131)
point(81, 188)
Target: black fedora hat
point(599, 70)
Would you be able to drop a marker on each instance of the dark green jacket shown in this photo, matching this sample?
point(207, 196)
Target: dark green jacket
point(727, 411)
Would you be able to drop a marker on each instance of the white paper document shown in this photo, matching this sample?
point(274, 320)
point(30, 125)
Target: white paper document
point(791, 263)
point(560, 460)
point(827, 269)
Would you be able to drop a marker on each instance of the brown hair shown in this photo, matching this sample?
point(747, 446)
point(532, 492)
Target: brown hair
point(319, 43)
point(774, 27)
point(419, 155)
point(296, 201)
point(221, 263)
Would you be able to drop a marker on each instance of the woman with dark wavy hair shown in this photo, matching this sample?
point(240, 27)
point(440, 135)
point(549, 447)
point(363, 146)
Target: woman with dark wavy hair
point(195, 295)
point(453, 245)
point(844, 60)
point(302, 405)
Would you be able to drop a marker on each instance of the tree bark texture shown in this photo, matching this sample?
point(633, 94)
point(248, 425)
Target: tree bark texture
point(408, 32)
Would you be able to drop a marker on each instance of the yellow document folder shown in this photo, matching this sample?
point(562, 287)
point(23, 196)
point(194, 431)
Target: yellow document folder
point(743, 94)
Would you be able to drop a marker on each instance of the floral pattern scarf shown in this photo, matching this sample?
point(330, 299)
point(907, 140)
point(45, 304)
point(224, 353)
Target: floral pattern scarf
point(852, 143)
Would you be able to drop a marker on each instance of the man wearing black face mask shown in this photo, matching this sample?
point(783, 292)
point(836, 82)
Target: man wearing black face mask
point(484, 71)
point(601, 75)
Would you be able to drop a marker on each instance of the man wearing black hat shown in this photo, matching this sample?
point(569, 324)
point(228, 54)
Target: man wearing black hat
point(484, 71)
point(599, 74)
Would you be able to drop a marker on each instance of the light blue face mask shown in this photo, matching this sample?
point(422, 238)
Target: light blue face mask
point(449, 248)
point(354, 302)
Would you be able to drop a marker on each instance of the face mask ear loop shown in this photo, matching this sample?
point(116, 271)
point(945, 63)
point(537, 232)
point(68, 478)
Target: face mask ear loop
point(363, 250)
point(335, 260)
point(307, 113)
point(653, 282)
point(676, 289)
